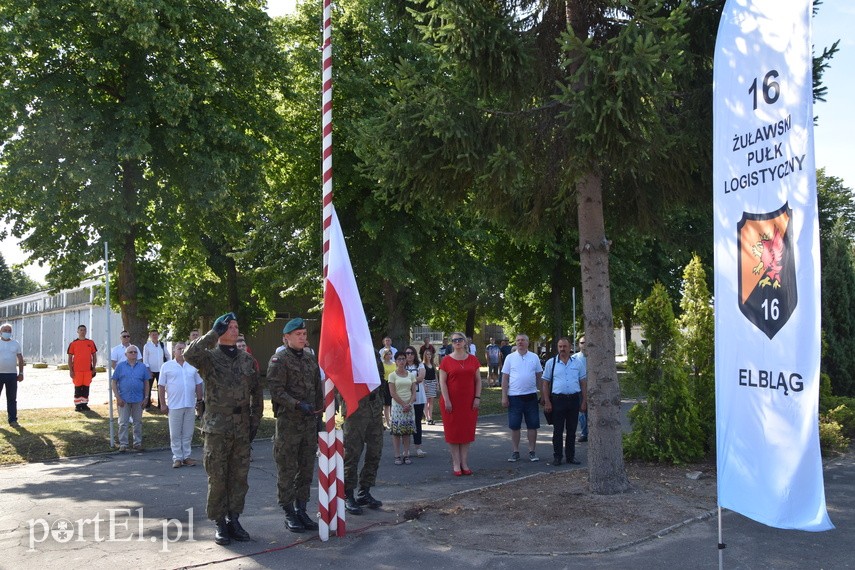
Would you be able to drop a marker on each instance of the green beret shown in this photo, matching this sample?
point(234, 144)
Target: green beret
point(293, 325)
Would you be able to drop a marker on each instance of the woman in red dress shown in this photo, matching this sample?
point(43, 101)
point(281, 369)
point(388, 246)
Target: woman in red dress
point(460, 386)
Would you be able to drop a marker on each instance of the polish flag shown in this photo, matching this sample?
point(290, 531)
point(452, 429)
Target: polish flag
point(345, 352)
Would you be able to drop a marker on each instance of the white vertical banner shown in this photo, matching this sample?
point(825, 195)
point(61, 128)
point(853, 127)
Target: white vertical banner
point(767, 272)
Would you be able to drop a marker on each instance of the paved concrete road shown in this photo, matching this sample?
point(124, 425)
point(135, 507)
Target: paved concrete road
point(136, 494)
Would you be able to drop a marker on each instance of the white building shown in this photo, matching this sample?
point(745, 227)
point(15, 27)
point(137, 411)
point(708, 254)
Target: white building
point(45, 324)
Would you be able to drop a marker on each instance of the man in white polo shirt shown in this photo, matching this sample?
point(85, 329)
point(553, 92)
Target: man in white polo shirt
point(10, 359)
point(520, 382)
point(180, 390)
point(117, 353)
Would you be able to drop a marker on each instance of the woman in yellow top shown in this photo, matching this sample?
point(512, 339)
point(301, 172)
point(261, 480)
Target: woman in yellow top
point(388, 367)
point(402, 385)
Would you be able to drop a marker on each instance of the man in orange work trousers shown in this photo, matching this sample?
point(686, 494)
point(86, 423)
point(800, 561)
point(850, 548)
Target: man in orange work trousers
point(81, 368)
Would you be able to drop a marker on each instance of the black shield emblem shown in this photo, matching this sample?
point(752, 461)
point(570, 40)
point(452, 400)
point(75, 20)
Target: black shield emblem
point(767, 273)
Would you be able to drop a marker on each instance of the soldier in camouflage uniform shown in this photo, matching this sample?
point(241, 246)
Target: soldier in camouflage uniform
point(294, 380)
point(363, 429)
point(233, 405)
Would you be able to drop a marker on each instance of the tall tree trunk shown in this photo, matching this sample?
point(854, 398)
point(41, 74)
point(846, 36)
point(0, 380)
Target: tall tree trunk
point(557, 284)
point(607, 474)
point(470, 322)
point(232, 286)
point(127, 263)
point(397, 327)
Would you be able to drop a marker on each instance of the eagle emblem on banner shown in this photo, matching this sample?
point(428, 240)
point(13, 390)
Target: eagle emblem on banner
point(767, 273)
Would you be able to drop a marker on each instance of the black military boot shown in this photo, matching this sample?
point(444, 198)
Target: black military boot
point(292, 521)
point(221, 536)
point(366, 500)
point(308, 523)
point(236, 531)
point(350, 504)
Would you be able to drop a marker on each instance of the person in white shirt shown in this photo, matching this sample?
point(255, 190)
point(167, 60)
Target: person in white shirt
point(154, 355)
point(180, 389)
point(10, 357)
point(387, 345)
point(520, 381)
point(117, 353)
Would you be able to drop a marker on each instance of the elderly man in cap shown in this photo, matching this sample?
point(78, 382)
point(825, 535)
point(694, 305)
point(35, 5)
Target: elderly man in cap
point(294, 380)
point(233, 405)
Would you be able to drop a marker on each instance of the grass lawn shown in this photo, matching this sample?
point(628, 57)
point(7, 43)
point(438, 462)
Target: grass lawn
point(47, 434)
point(52, 433)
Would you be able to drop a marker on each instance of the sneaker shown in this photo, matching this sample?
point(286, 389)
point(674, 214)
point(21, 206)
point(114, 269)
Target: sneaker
point(123, 448)
point(582, 438)
point(532, 456)
point(515, 456)
point(556, 460)
point(420, 453)
point(192, 462)
point(15, 425)
point(176, 464)
point(138, 447)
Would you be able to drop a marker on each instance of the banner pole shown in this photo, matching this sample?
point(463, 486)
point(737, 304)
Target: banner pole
point(721, 545)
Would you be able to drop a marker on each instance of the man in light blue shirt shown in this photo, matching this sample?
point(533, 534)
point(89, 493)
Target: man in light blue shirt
point(583, 417)
point(564, 387)
point(130, 386)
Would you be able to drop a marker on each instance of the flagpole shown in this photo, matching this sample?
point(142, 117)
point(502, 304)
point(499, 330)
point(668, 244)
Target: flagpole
point(721, 545)
point(332, 474)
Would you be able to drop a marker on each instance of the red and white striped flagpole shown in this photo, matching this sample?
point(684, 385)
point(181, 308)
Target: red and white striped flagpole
point(330, 443)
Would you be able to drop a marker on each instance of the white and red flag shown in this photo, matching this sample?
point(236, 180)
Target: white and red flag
point(767, 274)
point(345, 352)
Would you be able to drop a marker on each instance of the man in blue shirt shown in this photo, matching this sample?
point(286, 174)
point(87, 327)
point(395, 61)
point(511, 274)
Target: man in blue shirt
point(130, 385)
point(565, 384)
point(583, 416)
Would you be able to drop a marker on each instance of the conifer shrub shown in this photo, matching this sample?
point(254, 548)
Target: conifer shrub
point(666, 426)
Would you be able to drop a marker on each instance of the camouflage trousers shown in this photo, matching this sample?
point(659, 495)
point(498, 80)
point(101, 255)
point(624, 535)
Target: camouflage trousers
point(227, 465)
point(363, 430)
point(295, 449)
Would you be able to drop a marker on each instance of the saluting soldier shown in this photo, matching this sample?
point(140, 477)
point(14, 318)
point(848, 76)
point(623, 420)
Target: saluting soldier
point(233, 405)
point(294, 380)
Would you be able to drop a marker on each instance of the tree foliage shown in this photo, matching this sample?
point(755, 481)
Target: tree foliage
point(837, 254)
point(665, 426)
point(139, 124)
point(14, 282)
point(697, 344)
